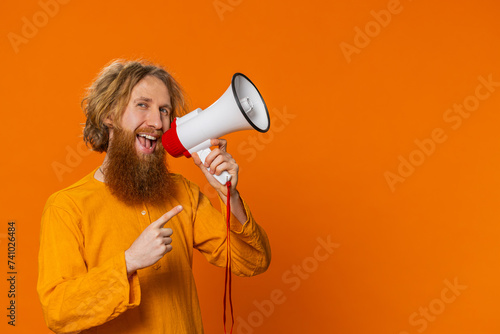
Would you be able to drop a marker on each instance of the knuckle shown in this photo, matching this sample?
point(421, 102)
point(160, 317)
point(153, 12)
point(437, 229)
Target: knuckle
point(220, 169)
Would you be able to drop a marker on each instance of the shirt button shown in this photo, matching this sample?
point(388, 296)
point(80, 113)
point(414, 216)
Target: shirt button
point(143, 212)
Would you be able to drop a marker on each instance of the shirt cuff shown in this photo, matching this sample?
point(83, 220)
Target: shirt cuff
point(134, 292)
point(235, 225)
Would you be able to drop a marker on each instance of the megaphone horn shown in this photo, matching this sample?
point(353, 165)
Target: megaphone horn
point(241, 107)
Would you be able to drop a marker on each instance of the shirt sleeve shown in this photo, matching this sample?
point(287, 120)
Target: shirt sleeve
point(74, 297)
point(250, 248)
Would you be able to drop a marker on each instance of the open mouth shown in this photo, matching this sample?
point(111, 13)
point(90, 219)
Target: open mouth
point(147, 142)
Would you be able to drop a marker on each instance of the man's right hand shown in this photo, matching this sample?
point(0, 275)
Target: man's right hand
point(152, 244)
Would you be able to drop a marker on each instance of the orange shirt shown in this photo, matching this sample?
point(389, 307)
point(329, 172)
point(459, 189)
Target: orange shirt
point(83, 283)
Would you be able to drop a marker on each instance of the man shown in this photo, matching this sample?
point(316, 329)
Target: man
point(116, 247)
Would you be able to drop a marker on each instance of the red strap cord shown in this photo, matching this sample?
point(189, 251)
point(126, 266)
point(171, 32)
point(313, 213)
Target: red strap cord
point(228, 261)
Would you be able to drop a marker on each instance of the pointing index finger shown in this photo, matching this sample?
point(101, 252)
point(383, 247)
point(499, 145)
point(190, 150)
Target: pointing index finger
point(167, 216)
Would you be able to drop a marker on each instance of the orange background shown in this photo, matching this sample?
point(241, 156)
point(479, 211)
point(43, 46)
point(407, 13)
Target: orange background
point(339, 123)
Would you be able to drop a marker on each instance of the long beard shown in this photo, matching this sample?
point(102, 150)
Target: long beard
point(137, 178)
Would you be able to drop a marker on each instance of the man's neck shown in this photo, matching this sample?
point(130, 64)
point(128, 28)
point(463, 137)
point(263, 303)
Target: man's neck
point(99, 173)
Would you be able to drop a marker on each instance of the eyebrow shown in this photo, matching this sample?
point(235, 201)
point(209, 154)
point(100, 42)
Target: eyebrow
point(147, 99)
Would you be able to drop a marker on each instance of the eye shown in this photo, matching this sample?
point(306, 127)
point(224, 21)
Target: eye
point(142, 105)
point(164, 111)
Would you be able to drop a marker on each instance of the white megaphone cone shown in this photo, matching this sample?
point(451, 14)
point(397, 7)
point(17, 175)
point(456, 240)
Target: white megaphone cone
point(241, 107)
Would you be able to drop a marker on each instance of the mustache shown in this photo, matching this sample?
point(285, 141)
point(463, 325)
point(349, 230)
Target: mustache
point(149, 131)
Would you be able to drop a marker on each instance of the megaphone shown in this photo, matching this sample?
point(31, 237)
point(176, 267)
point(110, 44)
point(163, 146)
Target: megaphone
point(241, 107)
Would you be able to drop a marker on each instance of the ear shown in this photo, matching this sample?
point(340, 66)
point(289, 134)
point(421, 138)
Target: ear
point(108, 121)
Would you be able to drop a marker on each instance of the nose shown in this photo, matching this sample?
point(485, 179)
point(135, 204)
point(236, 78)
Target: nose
point(154, 120)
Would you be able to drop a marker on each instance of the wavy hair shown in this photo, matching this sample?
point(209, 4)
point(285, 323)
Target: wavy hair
point(110, 93)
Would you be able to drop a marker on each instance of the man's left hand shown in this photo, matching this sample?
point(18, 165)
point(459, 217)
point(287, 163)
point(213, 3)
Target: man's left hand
point(218, 161)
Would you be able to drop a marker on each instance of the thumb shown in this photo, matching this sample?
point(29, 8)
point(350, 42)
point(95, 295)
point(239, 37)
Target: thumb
point(199, 163)
point(166, 217)
point(196, 159)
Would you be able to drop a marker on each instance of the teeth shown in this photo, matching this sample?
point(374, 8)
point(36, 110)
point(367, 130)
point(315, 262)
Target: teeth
point(148, 137)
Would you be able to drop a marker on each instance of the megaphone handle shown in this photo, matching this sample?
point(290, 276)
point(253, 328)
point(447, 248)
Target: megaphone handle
point(224, 176)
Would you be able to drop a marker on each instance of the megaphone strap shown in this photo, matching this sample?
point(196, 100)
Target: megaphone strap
point(228, 260)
